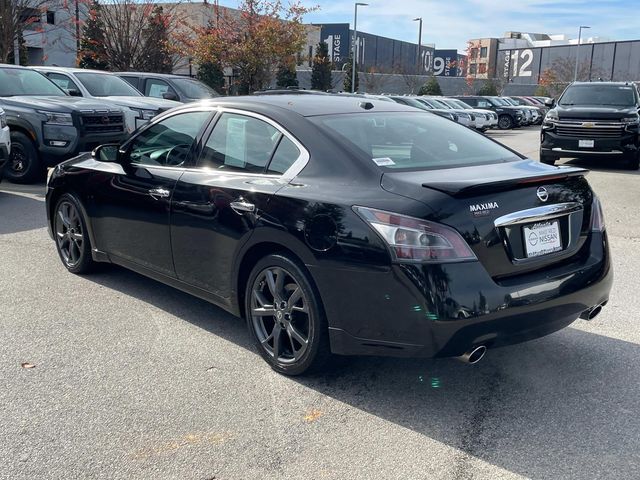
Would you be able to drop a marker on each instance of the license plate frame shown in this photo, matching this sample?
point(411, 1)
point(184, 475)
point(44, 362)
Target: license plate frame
point(542, 238)
point(586, 143)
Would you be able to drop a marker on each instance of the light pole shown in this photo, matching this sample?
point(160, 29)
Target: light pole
point(419, 19)
point(575, 73)
point(355, 45)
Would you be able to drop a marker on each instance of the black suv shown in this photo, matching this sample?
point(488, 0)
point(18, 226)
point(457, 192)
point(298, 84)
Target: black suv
point(509, 116)
point(168, 86)
point(49, 126)
point(593, 120)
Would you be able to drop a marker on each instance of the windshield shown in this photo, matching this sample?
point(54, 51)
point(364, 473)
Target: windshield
point(106, 85)
point(412, 141)
point(440, 103)
point(194, 88)
point(459, 104)
point(594, 94)
point(499, 101)
point(511, 101)
point(18, 81)
point(430, 103)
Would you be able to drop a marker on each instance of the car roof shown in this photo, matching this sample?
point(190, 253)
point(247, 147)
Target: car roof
point(310, 105)
point(151, 74)
point(10, 65)
point(69, 69)
point(617, 84)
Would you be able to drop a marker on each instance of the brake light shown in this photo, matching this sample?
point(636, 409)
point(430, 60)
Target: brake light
point(597, 216)
point(416, 240)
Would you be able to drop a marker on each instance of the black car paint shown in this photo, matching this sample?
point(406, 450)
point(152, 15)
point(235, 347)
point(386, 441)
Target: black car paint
point(373, 306)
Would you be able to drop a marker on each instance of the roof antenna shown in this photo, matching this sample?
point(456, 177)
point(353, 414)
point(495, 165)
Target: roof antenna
point(366, 105)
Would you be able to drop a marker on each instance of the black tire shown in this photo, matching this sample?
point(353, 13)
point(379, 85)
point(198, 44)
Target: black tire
point(633, 162)
point(71, 235)
point(547, 159)
point(271, 287)
point(505, 122)
point(24, 164)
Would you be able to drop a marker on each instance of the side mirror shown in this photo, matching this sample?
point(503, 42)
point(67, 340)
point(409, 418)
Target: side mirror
point(550, 102)
point(170, 96)
point(74, 93)
point(106, 153)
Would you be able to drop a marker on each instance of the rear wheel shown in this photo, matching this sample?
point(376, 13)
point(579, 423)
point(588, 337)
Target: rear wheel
point(285, 316)
point(72, 239)
point(24, 163)
point(505, 122)
point(547, 159)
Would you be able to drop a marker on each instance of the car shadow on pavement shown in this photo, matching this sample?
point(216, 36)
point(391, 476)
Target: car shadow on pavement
point(19, 213)
point(565, 406)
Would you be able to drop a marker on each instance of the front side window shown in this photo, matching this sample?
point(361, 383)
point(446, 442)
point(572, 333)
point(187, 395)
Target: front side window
point(20, 81)
point(155, 88)
point(168, 142)
point(106, 85)
point(63, 81)
point(412, 141)
point(240, 143)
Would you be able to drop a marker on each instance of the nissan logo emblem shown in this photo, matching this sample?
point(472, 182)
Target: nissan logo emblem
point(105, 120)
point(542, 193)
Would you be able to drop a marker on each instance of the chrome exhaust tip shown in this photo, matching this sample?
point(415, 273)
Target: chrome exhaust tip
point(474, 355)
point(591, 313)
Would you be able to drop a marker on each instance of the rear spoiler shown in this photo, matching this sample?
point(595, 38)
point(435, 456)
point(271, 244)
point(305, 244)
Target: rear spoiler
point(463, 187)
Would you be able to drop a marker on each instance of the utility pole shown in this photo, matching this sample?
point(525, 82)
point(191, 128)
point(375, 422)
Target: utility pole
point(354, 59)
point(418, 61)
point(575, 73)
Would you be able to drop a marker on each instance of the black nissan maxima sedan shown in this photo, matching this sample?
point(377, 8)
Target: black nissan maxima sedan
point(338, 225)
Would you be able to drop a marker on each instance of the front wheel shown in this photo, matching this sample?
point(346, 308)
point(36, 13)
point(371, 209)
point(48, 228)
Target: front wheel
point(24, 163)
point(505, 122)
point(285, 316)
point(547, 159)
point(72, 239)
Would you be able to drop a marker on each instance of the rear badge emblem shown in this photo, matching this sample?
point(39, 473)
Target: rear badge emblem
point(542, 194)
point(482, 209)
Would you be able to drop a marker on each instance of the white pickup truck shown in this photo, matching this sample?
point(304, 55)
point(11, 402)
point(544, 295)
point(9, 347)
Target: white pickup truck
point(5, 141)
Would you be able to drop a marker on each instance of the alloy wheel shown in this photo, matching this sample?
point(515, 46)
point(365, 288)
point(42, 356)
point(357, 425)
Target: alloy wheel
point(280, 315)
point(69, 233)
point(19, 161)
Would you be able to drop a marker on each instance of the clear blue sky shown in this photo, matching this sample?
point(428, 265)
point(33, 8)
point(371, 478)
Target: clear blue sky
point(450, 23)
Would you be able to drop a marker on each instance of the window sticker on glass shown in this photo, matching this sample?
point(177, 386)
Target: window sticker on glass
point(157, 90)
point(383, 162)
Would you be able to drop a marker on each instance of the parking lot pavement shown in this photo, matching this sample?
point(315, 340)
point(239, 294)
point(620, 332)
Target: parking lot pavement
point(135, 380)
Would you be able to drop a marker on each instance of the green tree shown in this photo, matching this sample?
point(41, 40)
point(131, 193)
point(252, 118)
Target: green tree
point(211, 74)
point(348, 67)
point(286, 75)
point(489, 88)
point(157, 57)
point(431, 87)
point(321, 69)
point(92, 53)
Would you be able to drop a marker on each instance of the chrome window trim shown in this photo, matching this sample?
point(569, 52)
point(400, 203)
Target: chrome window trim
point(537, 214)
point(292, 172)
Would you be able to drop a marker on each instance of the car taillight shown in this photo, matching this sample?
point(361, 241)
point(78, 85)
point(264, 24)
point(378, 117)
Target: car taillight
point(597, 217)
point(415, 240)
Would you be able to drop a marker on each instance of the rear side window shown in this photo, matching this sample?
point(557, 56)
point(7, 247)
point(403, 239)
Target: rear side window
point(240, 143)
point(285, 155)
point(413, 141)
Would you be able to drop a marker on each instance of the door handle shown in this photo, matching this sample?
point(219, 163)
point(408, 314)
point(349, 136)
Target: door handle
point(241, 206)
point(158, 193)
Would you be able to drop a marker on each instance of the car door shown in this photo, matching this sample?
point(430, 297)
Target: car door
point(243, 161)
point(131, 207)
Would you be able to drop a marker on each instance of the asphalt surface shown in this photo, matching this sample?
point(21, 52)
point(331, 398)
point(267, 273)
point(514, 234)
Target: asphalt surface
point(135, 380)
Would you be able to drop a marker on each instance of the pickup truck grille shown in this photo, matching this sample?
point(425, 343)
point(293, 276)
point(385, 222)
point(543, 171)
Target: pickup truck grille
point(595, 129)
point(102, 123)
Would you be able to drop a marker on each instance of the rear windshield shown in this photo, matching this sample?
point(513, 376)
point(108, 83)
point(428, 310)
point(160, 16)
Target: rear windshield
point(413, 141)
point(106, 85)
point(194, 88)
point(20, 81)
point(594, 94)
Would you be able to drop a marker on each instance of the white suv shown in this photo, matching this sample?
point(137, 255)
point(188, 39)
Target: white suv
point(5, 141)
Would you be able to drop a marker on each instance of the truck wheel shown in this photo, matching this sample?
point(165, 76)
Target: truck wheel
point(24, 163)
point(547, 159)
point(633, 163)
point(505, 122)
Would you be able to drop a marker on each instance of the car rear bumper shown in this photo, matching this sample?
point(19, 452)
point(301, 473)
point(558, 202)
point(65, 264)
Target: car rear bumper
point(444, 310)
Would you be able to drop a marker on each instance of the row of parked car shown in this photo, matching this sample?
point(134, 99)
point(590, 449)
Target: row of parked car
point(54, 113)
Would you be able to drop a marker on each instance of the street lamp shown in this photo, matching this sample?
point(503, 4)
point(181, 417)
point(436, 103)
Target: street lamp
point(419, 19)
point(355, 44)
point(575, 73)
